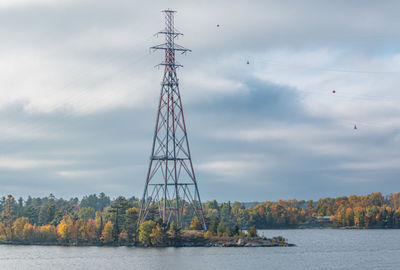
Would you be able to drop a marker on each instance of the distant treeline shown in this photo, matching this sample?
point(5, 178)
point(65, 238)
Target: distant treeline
point(96, 219)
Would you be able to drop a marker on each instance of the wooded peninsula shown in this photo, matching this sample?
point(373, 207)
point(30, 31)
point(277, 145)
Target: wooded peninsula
point(98, 220)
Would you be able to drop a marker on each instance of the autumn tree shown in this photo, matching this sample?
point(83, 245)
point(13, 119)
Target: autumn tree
point(145, 230)
point(157, 235)
point(65, 229)
point(5, 233)
point(359, 217)
point(18, 228)
point(195, 224)
point(107, 236)
point(28, 233)
point(349, 219)
point(89, 234)
point(48, 233)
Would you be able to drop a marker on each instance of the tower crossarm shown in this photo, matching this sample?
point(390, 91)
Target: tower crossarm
point(172, 33)
point(169, 65)
point(166, 46)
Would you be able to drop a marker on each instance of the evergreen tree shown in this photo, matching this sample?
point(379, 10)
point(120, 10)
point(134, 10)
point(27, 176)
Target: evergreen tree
point(131, 220)
point(252, 231)
point(221, 228)
point(8, 214)
point(174, 233)
point(214, 225)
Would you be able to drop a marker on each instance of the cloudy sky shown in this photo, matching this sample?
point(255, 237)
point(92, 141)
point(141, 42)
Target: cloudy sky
point(79, 93)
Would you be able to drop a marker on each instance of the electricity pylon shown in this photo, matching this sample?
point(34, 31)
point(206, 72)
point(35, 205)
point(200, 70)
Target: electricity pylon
point(171, 184)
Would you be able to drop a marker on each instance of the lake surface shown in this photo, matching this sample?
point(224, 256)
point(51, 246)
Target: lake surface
point(316, 249)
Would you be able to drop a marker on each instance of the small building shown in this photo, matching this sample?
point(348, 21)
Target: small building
point(321, 220)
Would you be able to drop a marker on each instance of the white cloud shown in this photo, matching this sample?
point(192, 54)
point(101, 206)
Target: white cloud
point(16, 131)
point(199, 85)
point(228, 168)
point(20, 3)
point(16, 163)
point(48, 84)
point(372, 165)
point(89, 174)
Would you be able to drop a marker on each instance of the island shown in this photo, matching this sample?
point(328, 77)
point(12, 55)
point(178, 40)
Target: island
point(152, 234)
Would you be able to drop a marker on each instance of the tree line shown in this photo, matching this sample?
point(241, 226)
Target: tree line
point(98, 220)
point(366, 211)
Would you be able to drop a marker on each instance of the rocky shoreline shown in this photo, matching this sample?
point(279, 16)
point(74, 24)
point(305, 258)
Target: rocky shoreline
point(255, 243)
point(197, 239)
point(215, 242)
point(184, 238)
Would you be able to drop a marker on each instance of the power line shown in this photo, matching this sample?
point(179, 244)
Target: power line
point(83, 93)
point(340, 70)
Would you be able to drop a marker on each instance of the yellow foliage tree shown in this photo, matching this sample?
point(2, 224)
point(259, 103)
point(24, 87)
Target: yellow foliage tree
point(195, 224)
point(48, 233)
point(18, 228)
point(157, 235)
point(145, 229)
point(65, 229)
point(28, 233)
point(5, 232)
point(208, 235)
point(107, 234)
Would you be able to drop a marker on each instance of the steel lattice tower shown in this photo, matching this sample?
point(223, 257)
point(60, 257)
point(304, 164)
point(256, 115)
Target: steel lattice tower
point(171, 183)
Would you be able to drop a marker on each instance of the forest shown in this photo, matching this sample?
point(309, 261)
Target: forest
point(99, 220)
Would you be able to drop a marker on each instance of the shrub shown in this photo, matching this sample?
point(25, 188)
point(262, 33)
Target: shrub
point(208, 235)
point(252, 231)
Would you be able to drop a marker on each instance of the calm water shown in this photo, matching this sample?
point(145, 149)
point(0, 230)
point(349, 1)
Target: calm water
point(316, 249)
